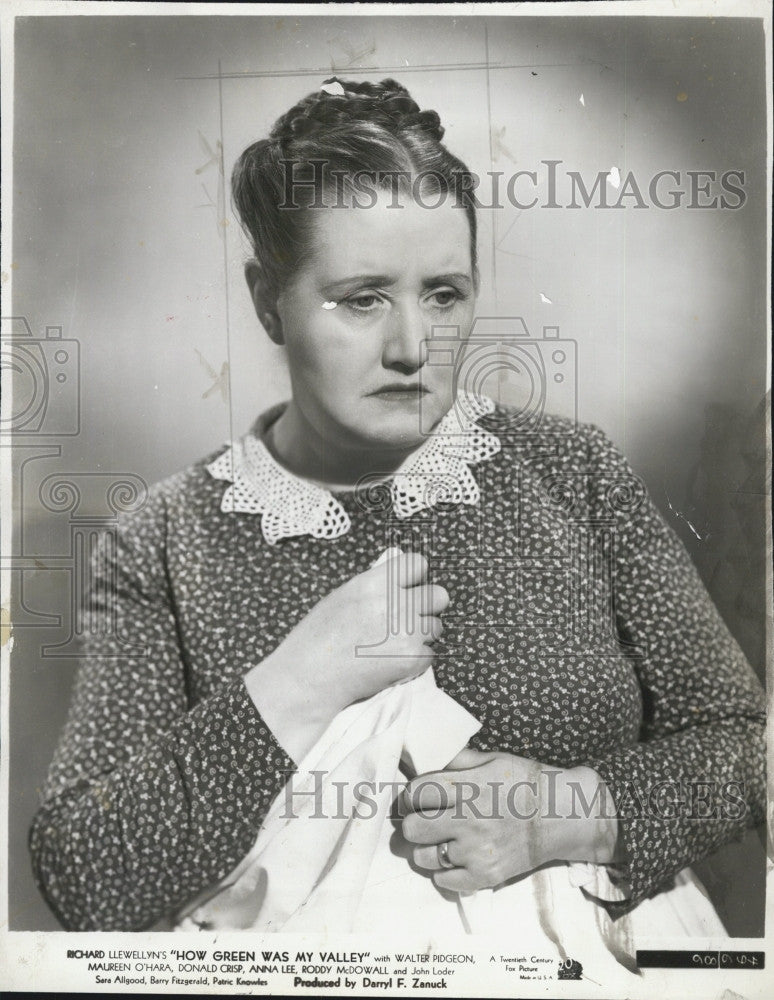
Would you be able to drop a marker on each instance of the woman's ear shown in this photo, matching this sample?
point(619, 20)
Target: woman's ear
point(264, 302)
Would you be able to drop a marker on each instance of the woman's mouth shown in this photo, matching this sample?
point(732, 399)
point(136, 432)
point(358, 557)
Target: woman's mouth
point(396, 391)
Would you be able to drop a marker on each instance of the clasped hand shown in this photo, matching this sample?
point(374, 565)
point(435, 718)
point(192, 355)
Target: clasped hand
point(501, 816)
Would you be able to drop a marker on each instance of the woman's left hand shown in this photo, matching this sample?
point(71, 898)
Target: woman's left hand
point(501, 816)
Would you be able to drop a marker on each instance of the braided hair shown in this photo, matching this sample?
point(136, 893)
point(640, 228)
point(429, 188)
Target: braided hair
point(345, 130)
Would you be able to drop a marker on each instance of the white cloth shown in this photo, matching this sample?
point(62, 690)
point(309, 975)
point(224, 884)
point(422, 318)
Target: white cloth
point(330, 861)
point(312, 860)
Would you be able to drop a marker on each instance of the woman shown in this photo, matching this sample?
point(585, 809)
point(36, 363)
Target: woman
point(535, 577)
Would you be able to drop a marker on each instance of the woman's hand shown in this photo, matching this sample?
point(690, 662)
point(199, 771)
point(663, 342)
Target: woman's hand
point(502, 816)
point(366, 635)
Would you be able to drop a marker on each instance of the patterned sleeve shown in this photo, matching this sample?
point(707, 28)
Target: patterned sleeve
point(696, 779)
point(148, 800)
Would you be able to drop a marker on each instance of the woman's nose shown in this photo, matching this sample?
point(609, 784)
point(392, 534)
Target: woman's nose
point(405, 340)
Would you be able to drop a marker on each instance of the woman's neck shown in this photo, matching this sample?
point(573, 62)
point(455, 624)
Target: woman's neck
point(302, 450)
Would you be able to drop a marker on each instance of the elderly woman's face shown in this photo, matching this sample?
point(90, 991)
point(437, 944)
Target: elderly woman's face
point(356, 319)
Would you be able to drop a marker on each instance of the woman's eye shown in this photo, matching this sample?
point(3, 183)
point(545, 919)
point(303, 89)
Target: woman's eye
point(365, 302)
point(445, 297)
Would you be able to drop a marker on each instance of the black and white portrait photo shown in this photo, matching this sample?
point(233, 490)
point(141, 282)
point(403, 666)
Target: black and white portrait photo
point(386, 491)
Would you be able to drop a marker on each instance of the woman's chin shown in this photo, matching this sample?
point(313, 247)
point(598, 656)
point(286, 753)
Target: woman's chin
point(393, 444)
point(405, 427)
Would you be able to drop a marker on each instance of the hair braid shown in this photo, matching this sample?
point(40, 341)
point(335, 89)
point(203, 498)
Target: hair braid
point(387, 104)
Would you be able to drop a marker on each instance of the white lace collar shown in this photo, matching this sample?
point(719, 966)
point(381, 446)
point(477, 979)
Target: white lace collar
point(436, 472)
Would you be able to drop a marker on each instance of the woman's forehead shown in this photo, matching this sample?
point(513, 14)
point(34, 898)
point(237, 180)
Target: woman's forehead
point(384, 238)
